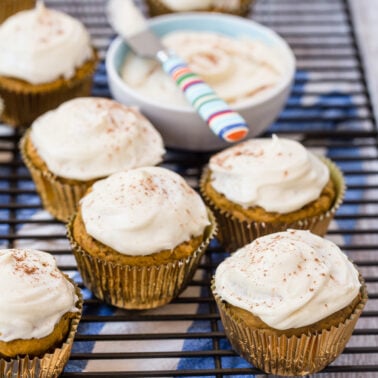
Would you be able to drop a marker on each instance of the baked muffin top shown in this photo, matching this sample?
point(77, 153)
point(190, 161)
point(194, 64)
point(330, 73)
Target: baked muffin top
point(143, 211)
point(41, 45)
point(288, 279)
point(279, 175)
point(90, 138)
point(34, 294)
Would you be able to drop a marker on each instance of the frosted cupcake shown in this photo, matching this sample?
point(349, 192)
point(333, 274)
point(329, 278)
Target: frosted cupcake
point(40, 312)
point(237, 7)
point(268, 185)
point(138, 237)
point(81, 141)
point(9, 7)
point(46, 58)
point(289, 301)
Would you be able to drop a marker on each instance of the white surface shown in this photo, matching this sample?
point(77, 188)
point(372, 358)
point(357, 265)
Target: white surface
point(365, 17)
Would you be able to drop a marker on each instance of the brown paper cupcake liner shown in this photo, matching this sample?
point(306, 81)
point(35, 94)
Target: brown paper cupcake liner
point(24, 102)
point(156, 8)
point(288, 356)
point(50, 365)
point(234, 233)
point(59, 198)
point(133, 286)
point(9, 7)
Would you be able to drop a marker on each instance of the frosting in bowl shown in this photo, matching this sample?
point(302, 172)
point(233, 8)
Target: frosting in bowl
point(34, 294)
point(237, 69)
point(288, 279)
point(88, 138)
point(143, 211)
point(277, 174)
point(187, 5)
point(41, 45)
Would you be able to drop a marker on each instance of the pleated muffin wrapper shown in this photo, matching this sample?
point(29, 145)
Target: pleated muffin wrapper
point(138, 287)
point(59, 197)
point(234, 233)
point(157, 7)
point(10, 7)
point(24, 102)
point(51, 364)
point(288, 355)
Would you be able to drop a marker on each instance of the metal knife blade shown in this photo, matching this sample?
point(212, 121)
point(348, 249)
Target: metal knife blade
point(129, 22)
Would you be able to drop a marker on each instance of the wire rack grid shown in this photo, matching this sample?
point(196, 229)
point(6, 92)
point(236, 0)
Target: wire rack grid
point(329, 110)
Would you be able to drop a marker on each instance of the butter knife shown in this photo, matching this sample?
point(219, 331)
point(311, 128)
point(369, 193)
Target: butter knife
point(130, 24)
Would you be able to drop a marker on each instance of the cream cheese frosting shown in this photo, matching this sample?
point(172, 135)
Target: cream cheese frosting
point(88, 138)
point(41, 45)
point(237, 69)
point(125, 17)
point(34, 294)
point(289, 279)
point(277, 174)
point(188, 5)
point(143, 211)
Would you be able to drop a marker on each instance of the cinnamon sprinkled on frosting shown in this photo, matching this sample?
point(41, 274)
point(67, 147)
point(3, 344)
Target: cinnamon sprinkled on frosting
point(34, 294)
point(143, 211)
point(251, 174)
point(40, 45)
point(289, 279)
point(94, 137)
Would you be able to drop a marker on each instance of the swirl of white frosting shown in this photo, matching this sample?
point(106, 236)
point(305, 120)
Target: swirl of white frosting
point(87, 138)
point(237, 69)
point(279, 175)
point(289, 279)
point(34, 294)
point(41, 45)
point(143, 211)
point(188, 5)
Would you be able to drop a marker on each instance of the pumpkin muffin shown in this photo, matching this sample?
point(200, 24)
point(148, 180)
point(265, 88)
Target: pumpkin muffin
point(138, 237)
point(83, 140)
point(267, 185)
point(9, 7)
point(289, 301)
point(46, 58)
point(40, 311)
point(236, 7)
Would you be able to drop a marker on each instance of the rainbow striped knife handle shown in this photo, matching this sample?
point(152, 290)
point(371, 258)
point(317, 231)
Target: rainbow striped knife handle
point(223, 122)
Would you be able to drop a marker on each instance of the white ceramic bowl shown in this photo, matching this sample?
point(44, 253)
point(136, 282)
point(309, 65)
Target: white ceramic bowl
point(182, 127)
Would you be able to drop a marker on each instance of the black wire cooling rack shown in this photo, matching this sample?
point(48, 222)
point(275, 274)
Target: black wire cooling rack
point(329, 111)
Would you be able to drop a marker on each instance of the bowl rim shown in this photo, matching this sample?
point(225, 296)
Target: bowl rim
point(118, 42)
